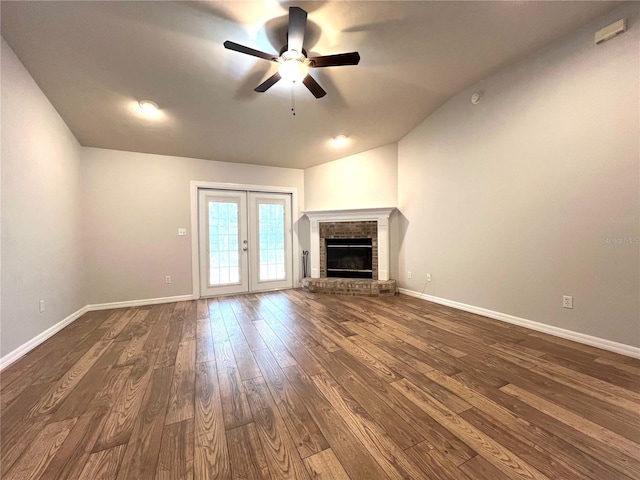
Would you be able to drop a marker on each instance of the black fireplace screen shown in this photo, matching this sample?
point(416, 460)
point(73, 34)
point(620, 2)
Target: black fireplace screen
point(349, 257)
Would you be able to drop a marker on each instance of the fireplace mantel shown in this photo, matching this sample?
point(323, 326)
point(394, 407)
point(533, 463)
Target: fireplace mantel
point(379, 215)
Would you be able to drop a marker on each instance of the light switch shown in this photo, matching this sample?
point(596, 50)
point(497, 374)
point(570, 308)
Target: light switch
point(182, 232)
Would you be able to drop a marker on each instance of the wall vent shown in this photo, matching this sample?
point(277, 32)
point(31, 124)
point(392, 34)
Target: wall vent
point(610, 31)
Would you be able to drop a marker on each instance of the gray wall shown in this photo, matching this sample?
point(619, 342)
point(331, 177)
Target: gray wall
point(41, 234)
point(509, 203)
point(133, 205)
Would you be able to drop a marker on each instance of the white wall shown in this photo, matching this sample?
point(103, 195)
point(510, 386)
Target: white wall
point(41, 243)
point(366, 180)
point(509, 203)
point(133, 205)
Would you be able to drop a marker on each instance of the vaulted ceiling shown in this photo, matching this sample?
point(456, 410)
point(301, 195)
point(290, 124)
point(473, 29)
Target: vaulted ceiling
point(94, 61)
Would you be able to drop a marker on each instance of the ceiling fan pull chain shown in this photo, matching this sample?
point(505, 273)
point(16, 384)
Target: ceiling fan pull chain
point(293, 99)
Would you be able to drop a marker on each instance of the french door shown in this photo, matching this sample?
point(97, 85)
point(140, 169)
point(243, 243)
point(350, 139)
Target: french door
point(245, 241)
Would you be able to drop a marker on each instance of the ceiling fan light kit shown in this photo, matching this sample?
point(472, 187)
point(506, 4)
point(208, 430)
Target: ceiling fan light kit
point(293, 62)
point(293, 67)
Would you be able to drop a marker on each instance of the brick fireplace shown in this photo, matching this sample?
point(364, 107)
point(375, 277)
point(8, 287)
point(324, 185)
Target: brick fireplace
point(371, 223)
point(348, 230)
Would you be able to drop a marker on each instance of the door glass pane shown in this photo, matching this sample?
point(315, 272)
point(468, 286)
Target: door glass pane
point(271, 234)
point(224, 267)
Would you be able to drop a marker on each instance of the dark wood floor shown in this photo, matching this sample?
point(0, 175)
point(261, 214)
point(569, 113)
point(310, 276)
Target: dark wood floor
point(293, 385)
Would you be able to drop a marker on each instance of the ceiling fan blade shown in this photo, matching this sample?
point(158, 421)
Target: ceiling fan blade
point(249, 51)
point(297, 26)
point(351, 58)
point(268, 83)
point(314, 87)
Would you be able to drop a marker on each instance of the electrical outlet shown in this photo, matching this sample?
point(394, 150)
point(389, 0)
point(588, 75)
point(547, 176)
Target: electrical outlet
point(408, 274)
point(567, 301)
point(41, 306)
point(182, 232)
point(167, 279)
point(428, 277)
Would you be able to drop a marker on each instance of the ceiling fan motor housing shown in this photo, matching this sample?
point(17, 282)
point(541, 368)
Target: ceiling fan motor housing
point(285, 49)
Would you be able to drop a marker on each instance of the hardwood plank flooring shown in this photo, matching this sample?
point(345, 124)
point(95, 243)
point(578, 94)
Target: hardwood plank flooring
point(325, 466)
point(103, 465)
point(280, 452)
point(305, 386)
point(211, 452)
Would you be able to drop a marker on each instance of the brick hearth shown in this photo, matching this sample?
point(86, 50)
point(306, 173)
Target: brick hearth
point(350, 286)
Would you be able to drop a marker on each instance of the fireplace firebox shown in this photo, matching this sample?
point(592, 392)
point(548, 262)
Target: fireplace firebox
point(349, 257)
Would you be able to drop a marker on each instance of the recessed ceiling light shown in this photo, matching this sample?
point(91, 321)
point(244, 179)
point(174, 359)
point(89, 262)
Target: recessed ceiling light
point(340, 140)
point(148, 106)
point(145, 111)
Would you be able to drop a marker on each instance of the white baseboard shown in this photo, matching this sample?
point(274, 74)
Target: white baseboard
point(11, 357)
point(616, 347)
point(138, 303)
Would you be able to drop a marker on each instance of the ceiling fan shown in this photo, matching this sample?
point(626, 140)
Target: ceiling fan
point(293, 60)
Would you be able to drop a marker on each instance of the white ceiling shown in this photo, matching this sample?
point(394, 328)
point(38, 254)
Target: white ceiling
point(94, 60)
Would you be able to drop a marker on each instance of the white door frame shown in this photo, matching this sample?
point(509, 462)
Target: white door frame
point(195, 185)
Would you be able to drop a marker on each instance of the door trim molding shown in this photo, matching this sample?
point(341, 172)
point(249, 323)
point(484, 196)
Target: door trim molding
point(196, 185)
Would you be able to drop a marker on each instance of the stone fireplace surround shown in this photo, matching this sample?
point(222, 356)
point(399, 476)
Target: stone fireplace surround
point(357, 223)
